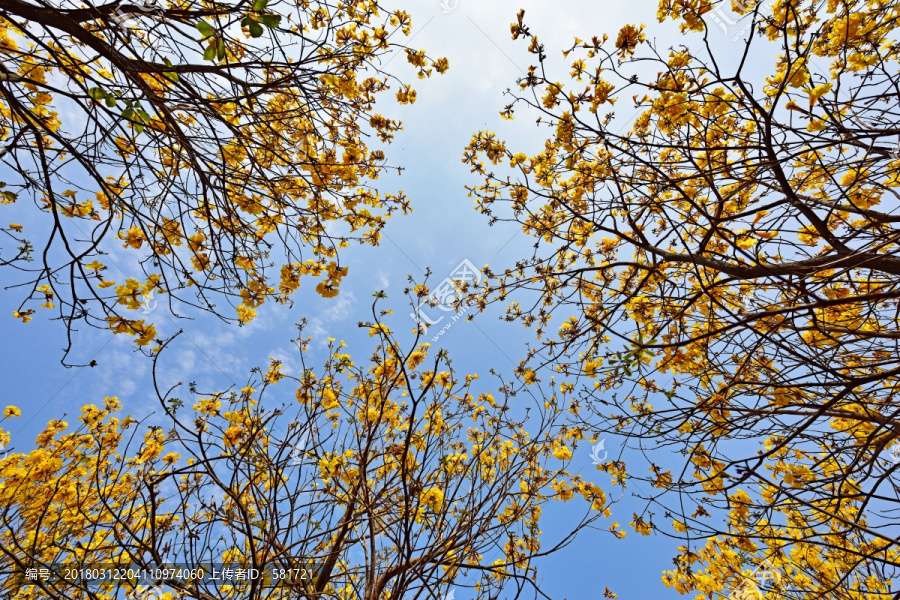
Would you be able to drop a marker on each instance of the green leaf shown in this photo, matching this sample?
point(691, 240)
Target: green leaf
point(205, 29)
point(259, 5)
point(128, 114)
point(256, 30)
point(110, 100)
point(220, 49)
point(270, 21)
point(97, 93)
point(170, 75)
point(210, 53)
point(144, 115)
point(138, 127)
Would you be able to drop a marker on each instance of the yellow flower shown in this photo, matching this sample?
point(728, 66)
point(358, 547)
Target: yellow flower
point(245, 314)
point(406, 95)
point(134, 238)
point(614, 529)
point(15, 226)
point(415, 359)
point(815, 125)
point(562, 452)
point(153, 445)
point(112, 404)
point(12, 411)
point(628, 39)
point(379, 327)
point(25, 315)
point(274, 375)
point(233, 436)
point(432, 498)
point(329, 400)
point(817, 92)
point(208, 406)
point(641, 526)
point(518, 158)
point(325, 290)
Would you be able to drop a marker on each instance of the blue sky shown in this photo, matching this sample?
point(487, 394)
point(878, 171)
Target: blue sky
point(442, 231)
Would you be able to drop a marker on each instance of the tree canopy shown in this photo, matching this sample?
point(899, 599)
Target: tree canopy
point(724, 277)
point(229, 147)
point(715, 280)
point(393, 479)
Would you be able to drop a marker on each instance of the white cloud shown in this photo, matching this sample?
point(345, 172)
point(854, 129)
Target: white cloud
point(288, 358)
point(321, 326)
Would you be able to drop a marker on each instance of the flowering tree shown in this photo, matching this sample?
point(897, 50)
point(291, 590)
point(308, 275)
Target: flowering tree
point(228, 147)
point(398, 479)
point(730, 264)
